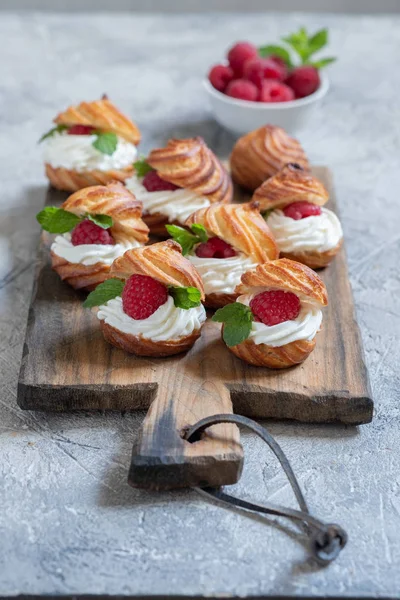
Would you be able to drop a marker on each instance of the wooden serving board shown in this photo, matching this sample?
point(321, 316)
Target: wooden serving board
point(67, 365)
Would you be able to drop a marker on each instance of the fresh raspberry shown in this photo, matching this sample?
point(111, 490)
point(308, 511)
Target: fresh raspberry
point(258, 69)
point(142, 295)
point(87, 232)
point(281, 63)
point(238, 55)
point(153, 183)
point(301, 210)
point(220, 76)
point(275, 91)
point(242, 89)
point(275, 307)
point(215, 248)
point(80, 130)
point(303, 81)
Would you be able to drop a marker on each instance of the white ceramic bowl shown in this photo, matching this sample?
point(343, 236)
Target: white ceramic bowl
point(241, 116)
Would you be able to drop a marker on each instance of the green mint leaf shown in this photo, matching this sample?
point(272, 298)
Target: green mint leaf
point(142, 167)
point(103, 221)
point(237, 319)
point(105, 142)
point(320, 64)
point(269, 50)
point(200, 231)
point(109, 289)
point(53, 131)
point(317, 41)
point(299, 42)
point(185, 297)
point(186, 239)
point(57, 220)
point(267, 213)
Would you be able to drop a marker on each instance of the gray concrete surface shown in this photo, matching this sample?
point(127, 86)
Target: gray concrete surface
point(69, 524)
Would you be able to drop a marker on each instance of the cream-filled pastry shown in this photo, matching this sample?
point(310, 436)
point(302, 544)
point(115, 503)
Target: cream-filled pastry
point(292, 202)
point(151, 304)
point(225, 241)
point(92, 143)
point(262, 153)
point(96, 225)
point(177, 180)
point(276, 317)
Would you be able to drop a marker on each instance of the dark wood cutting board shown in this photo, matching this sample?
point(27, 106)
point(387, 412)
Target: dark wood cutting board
point(67, 365)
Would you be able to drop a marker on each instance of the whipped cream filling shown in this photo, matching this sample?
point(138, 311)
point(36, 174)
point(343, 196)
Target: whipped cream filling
point(77, 153)
point(221, 275)
point(304, 327)
point(319, 232)
point(176, 205)
point(167, 323)
point(89, 254)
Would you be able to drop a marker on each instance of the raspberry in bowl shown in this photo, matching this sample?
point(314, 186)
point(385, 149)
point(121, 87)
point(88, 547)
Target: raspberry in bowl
point(255, 86)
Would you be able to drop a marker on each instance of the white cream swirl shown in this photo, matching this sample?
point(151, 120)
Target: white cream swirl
point(167, 323)
point(177, 205)
point(319, 232)
point(77, 153)
point(222, 275)
point(89, 254)
point(304, 327)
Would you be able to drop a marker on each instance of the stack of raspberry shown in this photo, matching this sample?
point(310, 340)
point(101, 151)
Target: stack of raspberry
point(250, 77)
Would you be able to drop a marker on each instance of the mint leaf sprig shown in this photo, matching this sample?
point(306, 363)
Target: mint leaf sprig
point(142, 167)
point(304, 45)
point(237, 319)
point(106, 141)
point(52, 131)
point(186, 239)
point(184, 297)
point(58, 220)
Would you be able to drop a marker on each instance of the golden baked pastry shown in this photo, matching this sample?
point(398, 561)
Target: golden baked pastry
point(249, 241)
point(286, 276)
point(313, 240)
point(163, 262)
point(127, 230)
point(102, 117)
point(190, 164)
point(262, 153)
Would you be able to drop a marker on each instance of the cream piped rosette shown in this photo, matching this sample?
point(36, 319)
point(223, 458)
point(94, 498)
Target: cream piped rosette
point(72, 163)
point(170, 330)
point(290, 342)
point(262, 153)
point(85, 266)
point(241, 226)
point(314, 240)
point(201, 179)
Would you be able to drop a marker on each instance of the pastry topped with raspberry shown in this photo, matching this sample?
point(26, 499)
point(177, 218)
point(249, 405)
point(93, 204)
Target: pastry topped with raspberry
point(277, 315)
point(225, 241)
point(95, 226)
point(292, 202)
point(175, 181)
point(91, 143)
point(152, 303)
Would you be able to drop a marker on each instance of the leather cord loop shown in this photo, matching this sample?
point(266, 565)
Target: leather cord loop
point(326, 540)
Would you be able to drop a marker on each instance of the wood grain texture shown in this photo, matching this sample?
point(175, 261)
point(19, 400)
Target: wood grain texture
point(67, 365)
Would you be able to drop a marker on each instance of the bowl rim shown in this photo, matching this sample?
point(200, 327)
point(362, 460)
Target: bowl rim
point(260, 106)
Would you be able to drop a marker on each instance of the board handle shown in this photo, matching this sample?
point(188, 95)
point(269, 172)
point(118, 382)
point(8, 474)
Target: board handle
point(163, 459)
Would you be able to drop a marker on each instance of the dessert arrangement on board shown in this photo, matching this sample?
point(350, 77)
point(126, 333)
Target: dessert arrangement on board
point(251, 261)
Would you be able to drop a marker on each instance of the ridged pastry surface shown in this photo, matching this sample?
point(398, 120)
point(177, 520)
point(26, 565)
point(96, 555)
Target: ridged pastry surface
point(290, 184)
point(288, 275)
point(68, 180)
point(189, 163)
point(281, 357)
point(262, 153)
point(115, 201)
point(242, 226)
point(163, 261)
point(100, 114)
